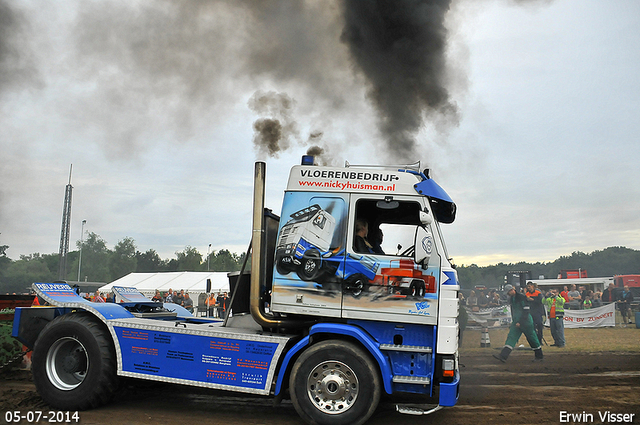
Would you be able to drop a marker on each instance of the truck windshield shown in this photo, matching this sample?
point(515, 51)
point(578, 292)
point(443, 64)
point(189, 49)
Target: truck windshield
point(398, 239)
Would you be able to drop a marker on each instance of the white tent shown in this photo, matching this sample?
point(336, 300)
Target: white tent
point(194, 283)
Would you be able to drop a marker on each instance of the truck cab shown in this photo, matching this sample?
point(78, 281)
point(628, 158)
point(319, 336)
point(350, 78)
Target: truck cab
point(396, 277)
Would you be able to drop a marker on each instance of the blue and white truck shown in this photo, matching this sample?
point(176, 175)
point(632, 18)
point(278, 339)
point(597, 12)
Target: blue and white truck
point(315, 337)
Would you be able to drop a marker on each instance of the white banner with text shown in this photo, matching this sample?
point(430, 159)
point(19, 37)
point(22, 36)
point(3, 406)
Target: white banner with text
point(592, 318)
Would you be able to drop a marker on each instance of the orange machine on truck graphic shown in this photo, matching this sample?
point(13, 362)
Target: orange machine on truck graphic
point(404, 279)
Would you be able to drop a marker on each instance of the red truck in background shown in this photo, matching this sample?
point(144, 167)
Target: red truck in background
point(630, 280)
point(572, 274)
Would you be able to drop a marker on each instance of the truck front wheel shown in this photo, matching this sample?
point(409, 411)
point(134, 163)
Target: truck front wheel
point(283, 267)
point(311, 266)
point(335, 383)
point(74, 363)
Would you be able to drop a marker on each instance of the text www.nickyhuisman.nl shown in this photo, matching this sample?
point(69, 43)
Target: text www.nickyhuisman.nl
point(335, 184)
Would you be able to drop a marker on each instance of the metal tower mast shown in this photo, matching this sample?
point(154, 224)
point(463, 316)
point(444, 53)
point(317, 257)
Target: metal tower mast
point(64, 234)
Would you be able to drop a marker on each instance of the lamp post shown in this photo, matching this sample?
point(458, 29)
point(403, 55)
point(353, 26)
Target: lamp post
point(81, 244)
point(208, 257)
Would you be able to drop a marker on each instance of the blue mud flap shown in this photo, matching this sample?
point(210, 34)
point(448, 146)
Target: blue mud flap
point(449, 392)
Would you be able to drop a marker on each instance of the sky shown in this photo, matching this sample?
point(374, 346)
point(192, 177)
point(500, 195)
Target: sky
point(525, 111)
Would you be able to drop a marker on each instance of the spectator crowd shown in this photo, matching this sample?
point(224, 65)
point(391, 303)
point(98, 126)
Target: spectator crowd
point(216, 304)
point(576, 298)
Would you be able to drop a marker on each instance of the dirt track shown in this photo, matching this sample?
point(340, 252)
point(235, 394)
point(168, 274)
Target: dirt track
point(519, 392)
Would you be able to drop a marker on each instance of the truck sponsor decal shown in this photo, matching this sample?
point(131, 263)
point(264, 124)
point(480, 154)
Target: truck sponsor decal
point(212, 360)
point(129, 295)
point(348, 185)
point(423, 308)
point(55, 290)
point(351, 175)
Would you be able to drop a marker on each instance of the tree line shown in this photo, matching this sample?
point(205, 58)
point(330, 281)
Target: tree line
point(101, 264)
point(605, 263)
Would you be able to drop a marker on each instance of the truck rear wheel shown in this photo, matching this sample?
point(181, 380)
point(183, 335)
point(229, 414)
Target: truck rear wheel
point(335, 383)
point(74, 363)
point(356, 285)
point(418, 288)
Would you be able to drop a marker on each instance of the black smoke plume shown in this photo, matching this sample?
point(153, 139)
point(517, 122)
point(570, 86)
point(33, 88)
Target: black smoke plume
point(323, 155)
point(180, 62)
point(268, 136)
point(400, 47)
point(275, 132)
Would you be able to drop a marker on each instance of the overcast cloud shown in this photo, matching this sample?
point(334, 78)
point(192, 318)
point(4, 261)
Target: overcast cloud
point(525, 111)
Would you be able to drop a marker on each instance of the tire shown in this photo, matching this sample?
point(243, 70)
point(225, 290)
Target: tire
point(335, 383)
point(74, 363)
point(282, 268)
point(417, 288)
point(310, 268)
point(412, 288)
point(356, 285)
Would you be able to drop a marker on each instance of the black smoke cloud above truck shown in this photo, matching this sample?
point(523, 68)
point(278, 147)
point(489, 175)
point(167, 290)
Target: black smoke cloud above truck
point(174, 66)
point(400, 47)
point(181, 62)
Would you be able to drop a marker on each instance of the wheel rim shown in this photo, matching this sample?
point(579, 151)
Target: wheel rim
point(67, 363)
point(357, 287)
point(310, 267)
point(332, 387)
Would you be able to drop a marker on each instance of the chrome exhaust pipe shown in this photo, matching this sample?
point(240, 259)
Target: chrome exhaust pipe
point(258, 262)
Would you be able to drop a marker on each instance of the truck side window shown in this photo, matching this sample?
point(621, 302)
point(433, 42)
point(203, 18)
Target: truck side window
point(320, 220)
point(385, 231)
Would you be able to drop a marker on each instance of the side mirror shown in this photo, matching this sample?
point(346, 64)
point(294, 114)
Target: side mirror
point(425, 218)
point(208, 286)
point(423, 246)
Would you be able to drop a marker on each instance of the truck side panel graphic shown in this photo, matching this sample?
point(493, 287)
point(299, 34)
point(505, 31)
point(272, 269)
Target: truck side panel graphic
point(315, 272)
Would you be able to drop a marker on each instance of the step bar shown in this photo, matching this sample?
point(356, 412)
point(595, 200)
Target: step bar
point(408, 348)
point(420, 380)
point(417, 409)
